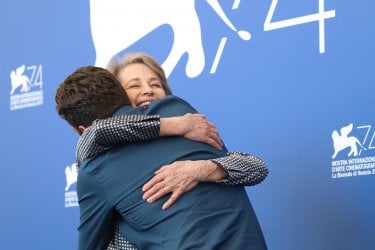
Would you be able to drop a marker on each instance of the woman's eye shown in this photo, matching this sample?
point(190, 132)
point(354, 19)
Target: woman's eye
point(132, 85)
point(156, 84)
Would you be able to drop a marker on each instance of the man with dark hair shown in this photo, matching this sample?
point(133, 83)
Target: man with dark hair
point(78, 93)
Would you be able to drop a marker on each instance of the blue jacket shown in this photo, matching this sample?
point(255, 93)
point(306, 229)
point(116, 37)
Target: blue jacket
point(208, 217)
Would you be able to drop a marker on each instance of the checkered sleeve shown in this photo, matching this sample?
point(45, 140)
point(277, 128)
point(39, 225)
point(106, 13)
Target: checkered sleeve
point(119, 242)
point(243, 169)
point(126, 128)
point(117, 129)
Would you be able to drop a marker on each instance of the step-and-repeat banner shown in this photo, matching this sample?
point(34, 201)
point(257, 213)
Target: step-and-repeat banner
point(290, 81)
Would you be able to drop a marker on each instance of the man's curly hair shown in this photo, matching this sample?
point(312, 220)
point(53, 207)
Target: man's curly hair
point(89, 93)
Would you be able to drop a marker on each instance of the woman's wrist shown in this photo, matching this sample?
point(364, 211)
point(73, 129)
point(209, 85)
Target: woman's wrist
point(171, 126)
point(215, 172)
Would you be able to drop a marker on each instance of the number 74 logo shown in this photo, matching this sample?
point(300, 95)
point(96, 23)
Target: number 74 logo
point(318, 17)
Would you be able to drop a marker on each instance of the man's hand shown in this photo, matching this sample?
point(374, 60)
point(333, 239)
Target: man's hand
point(180, 177)
point(191, 126)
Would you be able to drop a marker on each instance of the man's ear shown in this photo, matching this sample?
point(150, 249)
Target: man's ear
point(81, 129)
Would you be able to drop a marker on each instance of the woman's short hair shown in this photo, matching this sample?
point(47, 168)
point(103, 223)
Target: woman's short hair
point(117, 64)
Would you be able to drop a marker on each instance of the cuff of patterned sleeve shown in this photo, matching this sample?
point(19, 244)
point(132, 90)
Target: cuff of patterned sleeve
point(224, 162)
point(155, 128)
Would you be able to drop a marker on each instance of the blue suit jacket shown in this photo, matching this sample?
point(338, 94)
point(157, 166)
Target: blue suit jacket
point(208, 217)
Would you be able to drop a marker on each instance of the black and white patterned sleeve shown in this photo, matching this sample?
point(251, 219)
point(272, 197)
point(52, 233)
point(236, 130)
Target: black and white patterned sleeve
point(118, 242)
point(243, 169)
point(117, 129)
point(126, 128)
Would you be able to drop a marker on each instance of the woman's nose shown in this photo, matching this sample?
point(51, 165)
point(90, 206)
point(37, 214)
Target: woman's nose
point(146, 89)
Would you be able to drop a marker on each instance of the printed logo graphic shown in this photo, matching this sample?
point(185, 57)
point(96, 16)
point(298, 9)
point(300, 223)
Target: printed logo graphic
point(71, 176)
point(18, 79)
point(181, 16)
point(353, 148)
point(71, 199)
point(26, 87)
point(343, 141)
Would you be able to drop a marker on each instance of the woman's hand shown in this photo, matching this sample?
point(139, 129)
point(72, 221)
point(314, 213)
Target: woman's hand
point(180, 177)
point(191, 126)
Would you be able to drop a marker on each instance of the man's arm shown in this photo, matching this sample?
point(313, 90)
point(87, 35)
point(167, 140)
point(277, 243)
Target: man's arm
point(182, 176)
point(96, 215)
